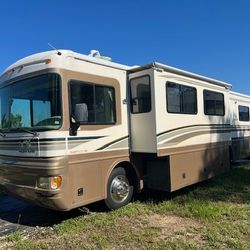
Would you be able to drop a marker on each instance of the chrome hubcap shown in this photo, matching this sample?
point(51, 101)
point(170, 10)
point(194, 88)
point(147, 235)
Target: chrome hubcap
point(119, 188)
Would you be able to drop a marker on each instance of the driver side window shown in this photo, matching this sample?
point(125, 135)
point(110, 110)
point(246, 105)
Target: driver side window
point(98, 99)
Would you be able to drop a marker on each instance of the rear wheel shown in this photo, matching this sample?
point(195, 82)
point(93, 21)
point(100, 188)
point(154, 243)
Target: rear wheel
point(119, 189)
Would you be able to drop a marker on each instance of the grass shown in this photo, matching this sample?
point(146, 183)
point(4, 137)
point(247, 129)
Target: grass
point(212, 215)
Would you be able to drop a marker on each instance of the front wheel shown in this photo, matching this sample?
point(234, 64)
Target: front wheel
point(119, 189)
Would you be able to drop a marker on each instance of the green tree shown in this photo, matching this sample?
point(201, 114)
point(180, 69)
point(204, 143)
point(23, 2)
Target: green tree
point(15, 121)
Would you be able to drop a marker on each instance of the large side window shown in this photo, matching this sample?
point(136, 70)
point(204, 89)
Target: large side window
point(243, 113)
point(140, 95)
point(181, 99)
point(98, 100)
point(213, 103)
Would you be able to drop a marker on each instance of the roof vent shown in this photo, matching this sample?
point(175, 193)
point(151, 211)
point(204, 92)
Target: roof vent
point(96, 54)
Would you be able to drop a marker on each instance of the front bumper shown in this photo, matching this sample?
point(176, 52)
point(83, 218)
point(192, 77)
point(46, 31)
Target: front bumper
point(19, 177)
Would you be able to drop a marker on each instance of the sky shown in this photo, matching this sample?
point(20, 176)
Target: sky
point(208, 37)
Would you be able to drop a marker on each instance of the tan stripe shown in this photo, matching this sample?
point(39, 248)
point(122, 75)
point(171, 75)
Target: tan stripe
point(96, 156)
point(34, 163)
point(192, 148)
point(185, 130)
point(182, 138)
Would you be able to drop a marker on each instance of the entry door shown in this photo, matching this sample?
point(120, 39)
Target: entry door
point(142, 114)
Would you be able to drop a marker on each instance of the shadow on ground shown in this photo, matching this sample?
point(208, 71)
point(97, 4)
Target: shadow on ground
point(19, 215)
point(233, 186)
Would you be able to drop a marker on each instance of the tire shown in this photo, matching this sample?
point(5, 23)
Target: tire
point(119, 189)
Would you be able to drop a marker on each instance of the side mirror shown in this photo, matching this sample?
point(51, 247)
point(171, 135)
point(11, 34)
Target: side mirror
point(81, 112)
point(80, 115)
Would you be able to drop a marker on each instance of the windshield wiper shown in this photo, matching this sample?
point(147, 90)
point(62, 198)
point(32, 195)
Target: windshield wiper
point(28, 131)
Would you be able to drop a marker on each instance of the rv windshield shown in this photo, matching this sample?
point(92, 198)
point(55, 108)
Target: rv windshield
point(34, 104)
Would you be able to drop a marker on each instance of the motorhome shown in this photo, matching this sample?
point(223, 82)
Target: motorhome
point(76, 129)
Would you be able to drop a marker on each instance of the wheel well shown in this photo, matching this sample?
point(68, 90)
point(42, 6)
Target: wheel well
point(131, 172)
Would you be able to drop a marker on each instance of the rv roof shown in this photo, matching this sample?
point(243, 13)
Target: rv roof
point(181, 72)
point(239, 94)
point(100, 61)
point(36, 58)
point(64, 54)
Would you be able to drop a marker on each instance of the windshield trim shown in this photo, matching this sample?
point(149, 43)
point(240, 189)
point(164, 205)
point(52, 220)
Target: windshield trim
point(28, 77)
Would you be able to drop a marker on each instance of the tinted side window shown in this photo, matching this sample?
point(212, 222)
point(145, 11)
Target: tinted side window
point(213, 103)
point(181, 98)
point(244, 113)
point(140, 95)
point(98, 99)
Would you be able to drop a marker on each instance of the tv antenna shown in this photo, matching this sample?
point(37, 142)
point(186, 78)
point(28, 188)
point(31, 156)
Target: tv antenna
point(54, 48)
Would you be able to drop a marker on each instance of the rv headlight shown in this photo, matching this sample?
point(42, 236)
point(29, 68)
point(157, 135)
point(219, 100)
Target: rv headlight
point(50, 183)
point(55, 182)
point(44, 183)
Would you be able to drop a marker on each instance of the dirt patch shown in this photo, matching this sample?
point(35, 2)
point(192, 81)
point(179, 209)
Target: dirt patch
point(171, 226)
point(175, 223)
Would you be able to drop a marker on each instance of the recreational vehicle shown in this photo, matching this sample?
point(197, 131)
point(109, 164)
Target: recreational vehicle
point(76, 129)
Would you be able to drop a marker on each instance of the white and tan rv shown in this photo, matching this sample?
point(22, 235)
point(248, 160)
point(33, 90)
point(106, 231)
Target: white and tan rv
point(76, 129)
